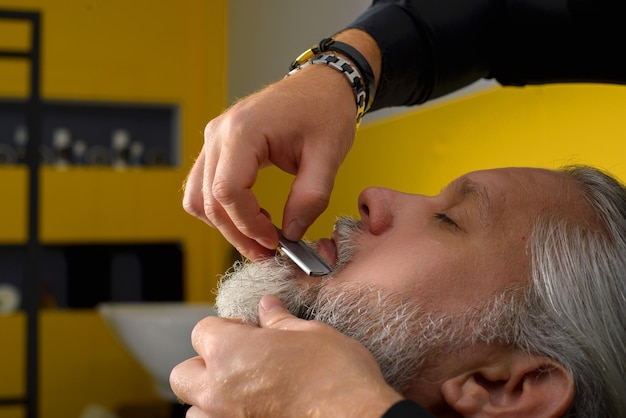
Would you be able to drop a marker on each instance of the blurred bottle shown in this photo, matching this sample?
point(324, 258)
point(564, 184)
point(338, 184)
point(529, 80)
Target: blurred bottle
point(20, 140)
point(120, 146)
point(10, 298)
point(157, 157)
point(8, 155)
point(136, 154)
point(79, 148)
point(98, 155)
point(62, 147)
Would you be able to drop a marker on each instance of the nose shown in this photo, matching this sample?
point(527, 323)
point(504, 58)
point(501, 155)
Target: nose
point(376, 207)
point(382, 209)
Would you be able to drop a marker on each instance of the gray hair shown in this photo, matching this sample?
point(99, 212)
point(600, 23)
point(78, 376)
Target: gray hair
point(575, 305)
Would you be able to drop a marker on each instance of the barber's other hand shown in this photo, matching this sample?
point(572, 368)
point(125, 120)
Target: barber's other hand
point(286, 368)
point(305, 125)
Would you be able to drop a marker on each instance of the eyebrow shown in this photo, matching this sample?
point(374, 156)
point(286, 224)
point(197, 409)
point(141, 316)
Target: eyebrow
point(469, 188)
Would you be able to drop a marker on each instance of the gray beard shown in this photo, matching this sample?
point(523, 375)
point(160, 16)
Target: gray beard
point(401, 336)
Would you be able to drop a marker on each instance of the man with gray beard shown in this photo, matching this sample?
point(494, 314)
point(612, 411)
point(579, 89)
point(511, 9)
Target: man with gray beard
point(379, 320)
point(501, 296)
point(402, 337)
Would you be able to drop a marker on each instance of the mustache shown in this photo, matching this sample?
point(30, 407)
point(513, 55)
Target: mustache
point(347, 231)
point(243, 285)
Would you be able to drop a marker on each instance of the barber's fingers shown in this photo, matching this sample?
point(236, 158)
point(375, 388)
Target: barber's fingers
point(219, 189)
point(238, 214)
point(192, 382)
point(309, 195)
point(200, 202)
point(195, 381)
point(193, 199)
point(273, 315)
point(186, 379)
point(195, 412)
point(279, 125)
point(211, 332)
point(240, 147)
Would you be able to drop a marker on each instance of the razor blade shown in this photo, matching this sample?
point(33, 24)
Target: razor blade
point(303, 255)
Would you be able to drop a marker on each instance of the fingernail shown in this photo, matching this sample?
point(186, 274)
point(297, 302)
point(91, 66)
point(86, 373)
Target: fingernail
point(296, 229)
point(270, 303)
point(267, 243)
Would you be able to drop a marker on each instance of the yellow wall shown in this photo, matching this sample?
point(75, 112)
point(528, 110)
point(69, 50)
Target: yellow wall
point(422, 151)
point(173, 52)
point(167, 52)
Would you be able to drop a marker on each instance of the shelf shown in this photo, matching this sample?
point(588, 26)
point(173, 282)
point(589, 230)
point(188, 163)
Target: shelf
point(32, 122)
point(97, 206)
point(94, 133)
point(87, 204)
point(13, 186)
point(92, 204)
point(84, 275)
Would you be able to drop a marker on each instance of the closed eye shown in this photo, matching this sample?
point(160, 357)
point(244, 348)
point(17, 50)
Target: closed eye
point(443, 218)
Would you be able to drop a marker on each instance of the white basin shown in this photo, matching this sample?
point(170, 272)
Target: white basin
point(157, 334)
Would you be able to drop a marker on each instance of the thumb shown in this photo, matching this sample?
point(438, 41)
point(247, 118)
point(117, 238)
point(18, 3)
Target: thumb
point(273, 314)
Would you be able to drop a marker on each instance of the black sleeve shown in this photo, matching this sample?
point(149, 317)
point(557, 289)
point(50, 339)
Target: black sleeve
point(407, 409)
point(433, 47)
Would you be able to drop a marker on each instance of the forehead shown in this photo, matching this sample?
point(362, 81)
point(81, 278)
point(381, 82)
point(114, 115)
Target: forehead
point(526, 192)
point(511, 178)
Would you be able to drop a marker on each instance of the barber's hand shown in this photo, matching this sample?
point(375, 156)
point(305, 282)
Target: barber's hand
point(286, 368)
point(305, 125)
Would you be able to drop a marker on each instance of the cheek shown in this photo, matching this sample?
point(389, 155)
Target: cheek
point(440, 276)
point(421, 268)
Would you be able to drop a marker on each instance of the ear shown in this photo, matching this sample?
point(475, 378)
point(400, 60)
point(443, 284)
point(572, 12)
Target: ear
point(512, 385)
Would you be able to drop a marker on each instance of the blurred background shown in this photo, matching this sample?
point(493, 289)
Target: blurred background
point(126, 89)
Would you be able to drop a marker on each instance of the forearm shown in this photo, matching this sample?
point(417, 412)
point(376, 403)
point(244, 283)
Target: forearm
point(366, 45)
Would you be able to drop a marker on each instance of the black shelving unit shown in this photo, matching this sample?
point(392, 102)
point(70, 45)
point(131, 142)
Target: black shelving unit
point(150, 132)
point(32, 273)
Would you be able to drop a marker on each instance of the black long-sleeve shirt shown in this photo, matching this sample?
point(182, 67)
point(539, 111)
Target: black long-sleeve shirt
point(433, 47)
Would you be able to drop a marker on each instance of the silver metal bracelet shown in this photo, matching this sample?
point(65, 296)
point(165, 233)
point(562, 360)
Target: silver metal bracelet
point(350, 73)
